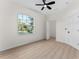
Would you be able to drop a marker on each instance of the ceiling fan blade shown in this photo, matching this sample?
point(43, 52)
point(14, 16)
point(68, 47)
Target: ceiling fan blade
point(50, 3)
point(49, 7)
point(44, 1)
point(42, 8)
point(39, 4)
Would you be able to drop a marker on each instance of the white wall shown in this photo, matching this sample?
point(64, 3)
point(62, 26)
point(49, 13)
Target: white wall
point(69, 20)
point(71, 23)
point(8, 24)
point(1, 20)
point(52, 28)
point(52, 25)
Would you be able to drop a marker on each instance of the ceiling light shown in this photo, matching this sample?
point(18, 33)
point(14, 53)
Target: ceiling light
point(45, 6)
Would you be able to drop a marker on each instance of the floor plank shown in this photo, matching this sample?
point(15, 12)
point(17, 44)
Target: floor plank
point(45, 49)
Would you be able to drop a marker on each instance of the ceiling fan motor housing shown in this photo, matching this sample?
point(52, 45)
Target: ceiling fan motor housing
point(46, 4)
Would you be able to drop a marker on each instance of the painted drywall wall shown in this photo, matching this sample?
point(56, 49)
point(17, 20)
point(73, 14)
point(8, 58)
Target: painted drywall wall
point(53, 28)
point(67, 28)
point(1, 20)
point(8, 24)
point(69, 22)
point(50, 29)
point(47, 30)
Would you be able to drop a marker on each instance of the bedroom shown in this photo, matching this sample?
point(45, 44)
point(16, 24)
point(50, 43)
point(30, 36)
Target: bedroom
point(49, 27)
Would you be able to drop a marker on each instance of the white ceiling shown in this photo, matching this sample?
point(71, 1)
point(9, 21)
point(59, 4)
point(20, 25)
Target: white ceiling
point(60, 5)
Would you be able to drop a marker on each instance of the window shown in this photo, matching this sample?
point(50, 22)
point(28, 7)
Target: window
point(25, 23)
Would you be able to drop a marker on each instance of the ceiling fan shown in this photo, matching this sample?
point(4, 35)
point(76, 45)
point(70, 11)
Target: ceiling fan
point(46, 5)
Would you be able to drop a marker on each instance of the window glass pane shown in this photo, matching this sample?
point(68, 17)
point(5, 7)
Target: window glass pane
point(25, 24)
point(24, 18)
point(19, 16)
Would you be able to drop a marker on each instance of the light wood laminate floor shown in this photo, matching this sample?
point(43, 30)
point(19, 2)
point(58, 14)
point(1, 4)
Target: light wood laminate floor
point(45, 49)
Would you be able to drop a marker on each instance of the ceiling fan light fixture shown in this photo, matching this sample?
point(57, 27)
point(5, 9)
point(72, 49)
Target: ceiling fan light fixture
point(45, 6)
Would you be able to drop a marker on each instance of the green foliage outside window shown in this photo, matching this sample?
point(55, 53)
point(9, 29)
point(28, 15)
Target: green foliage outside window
point(25, 24)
